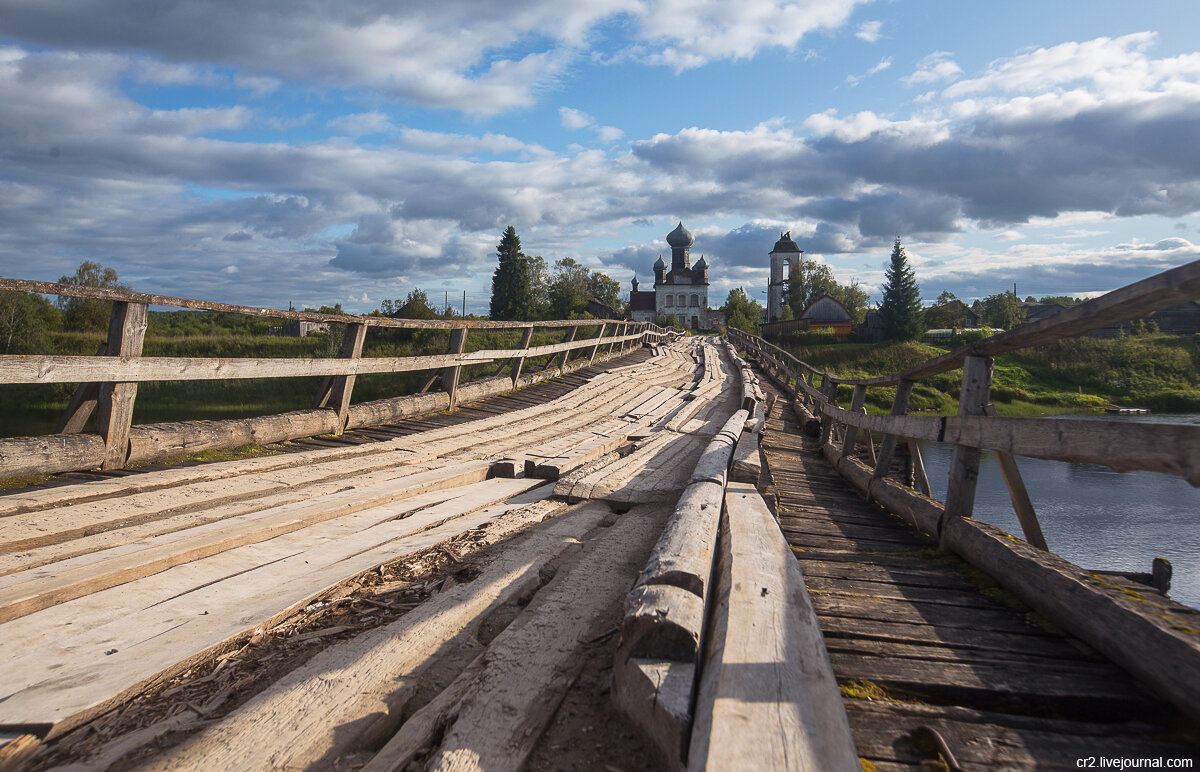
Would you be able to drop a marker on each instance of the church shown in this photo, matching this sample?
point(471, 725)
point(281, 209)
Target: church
point(680, 294)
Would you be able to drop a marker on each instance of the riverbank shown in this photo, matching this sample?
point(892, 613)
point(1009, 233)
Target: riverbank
point(1081, 375)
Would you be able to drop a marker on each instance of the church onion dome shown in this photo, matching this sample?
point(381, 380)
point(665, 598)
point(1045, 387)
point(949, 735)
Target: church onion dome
point(659, 264)
point(702, 265)
point(680, 237)
point(785, 243)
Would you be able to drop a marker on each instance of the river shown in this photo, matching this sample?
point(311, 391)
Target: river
point(1093, 516)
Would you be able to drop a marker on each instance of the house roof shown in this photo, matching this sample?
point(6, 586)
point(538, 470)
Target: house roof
point(641, 301)
point(826, 309)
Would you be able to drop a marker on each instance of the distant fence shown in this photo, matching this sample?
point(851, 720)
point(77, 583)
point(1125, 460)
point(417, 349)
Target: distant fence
point(109, 380)
point(1167, 654)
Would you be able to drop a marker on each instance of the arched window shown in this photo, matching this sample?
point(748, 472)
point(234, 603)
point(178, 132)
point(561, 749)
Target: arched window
point(670, 301)
point(682, 300)
point(695, 301)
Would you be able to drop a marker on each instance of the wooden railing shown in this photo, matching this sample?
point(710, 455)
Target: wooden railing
point(1078, 599)
point(109, 380)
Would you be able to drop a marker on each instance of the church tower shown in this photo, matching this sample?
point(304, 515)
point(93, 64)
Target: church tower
point(781, 256)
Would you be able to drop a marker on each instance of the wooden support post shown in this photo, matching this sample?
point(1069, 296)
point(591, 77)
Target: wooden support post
point(519, 361)
point(458, 341)
point(335, 389)
point(595, 348)
point(829, 389)
point(964, 460)
point(1018, 493)
point(870, 443)
point(114, 413)
point(920, 479)
point(83, 402)
point(888, 448)
point(856, 403)
point(566, 355)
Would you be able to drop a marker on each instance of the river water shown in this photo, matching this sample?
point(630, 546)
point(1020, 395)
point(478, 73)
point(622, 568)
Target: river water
point(1093, 516)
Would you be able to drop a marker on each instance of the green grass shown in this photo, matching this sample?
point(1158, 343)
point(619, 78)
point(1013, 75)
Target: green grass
point(1159, 372)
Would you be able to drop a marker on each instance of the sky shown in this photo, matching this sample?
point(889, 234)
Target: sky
point(267, 152)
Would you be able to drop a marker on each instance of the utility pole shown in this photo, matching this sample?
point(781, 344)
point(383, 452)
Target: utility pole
point(464, 310)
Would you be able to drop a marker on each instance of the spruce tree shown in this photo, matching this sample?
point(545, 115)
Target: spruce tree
point(512, 296)
point(901, 314)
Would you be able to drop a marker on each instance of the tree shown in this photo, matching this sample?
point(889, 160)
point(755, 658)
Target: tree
point(947, 313)
point(88, 313)
point(415, 306)
point(569, 289)
point(1002, 310)
point(742, 312)
point(24, 321)
point(901, 314)
point(512, 290)
point(607, 290)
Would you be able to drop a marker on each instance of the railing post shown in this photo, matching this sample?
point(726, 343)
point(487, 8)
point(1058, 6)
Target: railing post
point(114, 413)
point(829, 390)
point(335, 389)
point(566, 355)
point(458, 341)
point(519, 362)
point(888, 448)
point(595, 348)
point(1022, 504)
point(856, 403)
point(964, 460)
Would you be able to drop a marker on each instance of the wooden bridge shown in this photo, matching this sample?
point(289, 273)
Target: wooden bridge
point(621, 549)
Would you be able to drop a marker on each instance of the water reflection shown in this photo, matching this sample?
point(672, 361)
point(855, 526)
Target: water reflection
point(1093, 516)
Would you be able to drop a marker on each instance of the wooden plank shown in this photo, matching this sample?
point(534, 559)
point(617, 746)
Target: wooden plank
point(72, 290)
point(114, 406)
point(66, 679)
point(519, 361)
point(450, 376)
point(888, 448)
point(1018, 494)
point(29, 591)
point(336, 389)
point(353, 694)
point(529, 666)
point(768, 699)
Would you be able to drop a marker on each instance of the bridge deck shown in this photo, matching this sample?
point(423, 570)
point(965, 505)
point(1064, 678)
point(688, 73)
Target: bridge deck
point(917, 638)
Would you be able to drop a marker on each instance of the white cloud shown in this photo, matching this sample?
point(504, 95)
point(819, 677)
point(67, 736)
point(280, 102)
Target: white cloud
point(577, 119)
point(879, 67)
point(938, 66)
point(870, 31)
point(1010, 235)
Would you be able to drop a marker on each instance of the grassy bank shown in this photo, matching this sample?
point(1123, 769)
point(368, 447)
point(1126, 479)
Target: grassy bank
point(1158, 372)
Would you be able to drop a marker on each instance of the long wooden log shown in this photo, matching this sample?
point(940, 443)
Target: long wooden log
point(75, 291)
point(768, 698)
point(75, 369)
point(21, 456)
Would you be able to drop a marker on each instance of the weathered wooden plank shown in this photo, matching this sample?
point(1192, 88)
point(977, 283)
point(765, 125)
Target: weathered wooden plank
point(353, 694)
point(529, 666)
point(72, 290)
point(964, 459)
point(29, 591)
point(67, 679)
point(767, 699)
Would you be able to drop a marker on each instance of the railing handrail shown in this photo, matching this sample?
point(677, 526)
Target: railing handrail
point(1142, 298)
point(129, 296)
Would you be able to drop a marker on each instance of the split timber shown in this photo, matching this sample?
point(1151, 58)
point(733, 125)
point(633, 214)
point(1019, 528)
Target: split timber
point(919, 641)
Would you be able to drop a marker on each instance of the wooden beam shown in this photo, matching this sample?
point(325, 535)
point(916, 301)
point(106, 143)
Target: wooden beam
point(1017, 492)
point(114, 415)
point(888, 448)
point(566, 355)
point(83, 402)
point(856, 402)
point(450, 376)
point(964, 459)
point(595, 348)
point(336, 389)
point(767, 698)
